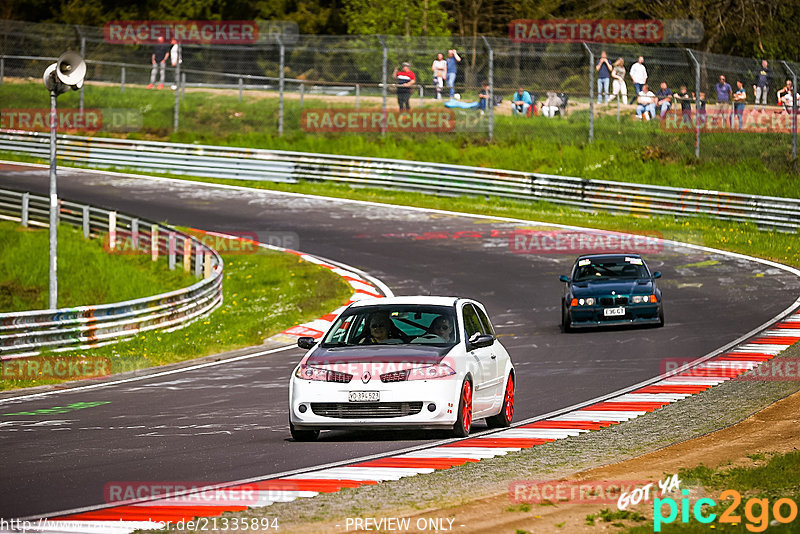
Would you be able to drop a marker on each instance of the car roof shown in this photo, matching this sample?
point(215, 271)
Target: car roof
point(608, 257)
point(419, 299)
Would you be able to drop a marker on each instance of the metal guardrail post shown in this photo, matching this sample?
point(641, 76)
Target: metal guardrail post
point(302, 93)
point(241, 87)
point(794, 112)
point(2, 68)
point(198, 261)
point(171, 251)
point(153, 242)
point(697, 100)
point(26, 198)
point(384, 77)
point(135, 234)
point(358, 90)
point(490, 103)
point(591, 91)
point(122, 80)
point(53, 229)
point(85, 221)
point(206, 265)
point(187, 254)
point(112, 230)
point(421, 89)
point(281, 81)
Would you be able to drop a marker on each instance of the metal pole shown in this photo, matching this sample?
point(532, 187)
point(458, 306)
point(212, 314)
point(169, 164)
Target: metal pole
point(281, 77)
point(794, 111)
point(384, 82)
point(122, 81)
point(176, 110)
point(358, 90)
point(490, 103)
point(53, 270)
point(2, 68)
point(83, 55)
point(302, 93)
point(420, 95)
point(591, 92)
point(696, 103)
point(85, 221)
point(241, 86)
point(26, 198)
point(183, 84)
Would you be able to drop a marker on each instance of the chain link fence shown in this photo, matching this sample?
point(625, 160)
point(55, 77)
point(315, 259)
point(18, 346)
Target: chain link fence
point(345, 85)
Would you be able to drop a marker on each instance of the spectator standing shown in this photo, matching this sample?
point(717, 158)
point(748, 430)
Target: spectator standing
point(638, 75)
point(483, 96)
point(739, 101)
point(405, 80)
point(175, 58)
point(664, 102)
point(686, 104)
point(159, 62)
point(603, 69)
point(618, 86)
point(453, 59)
point(439, 67)
point(646, 103)
point(724, 91)
point(761, 84)
point(521, 101)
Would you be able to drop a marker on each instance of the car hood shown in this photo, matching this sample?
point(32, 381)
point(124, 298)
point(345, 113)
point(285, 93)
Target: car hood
point(413, 354)
point(605, 287)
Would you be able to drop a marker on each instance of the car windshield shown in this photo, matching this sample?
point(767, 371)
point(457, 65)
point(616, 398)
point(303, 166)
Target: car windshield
point(394, 325)
point(608, 269)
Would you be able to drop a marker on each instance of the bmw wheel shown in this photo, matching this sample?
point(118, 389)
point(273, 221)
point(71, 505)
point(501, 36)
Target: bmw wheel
point(566, 322)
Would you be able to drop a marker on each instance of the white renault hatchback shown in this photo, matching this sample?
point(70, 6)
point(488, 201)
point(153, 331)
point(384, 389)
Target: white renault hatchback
point(419, 362)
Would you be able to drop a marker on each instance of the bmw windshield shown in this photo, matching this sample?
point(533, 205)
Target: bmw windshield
point(631, 268)
point(394, 325)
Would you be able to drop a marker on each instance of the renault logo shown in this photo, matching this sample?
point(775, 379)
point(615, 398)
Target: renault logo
point(365, 378)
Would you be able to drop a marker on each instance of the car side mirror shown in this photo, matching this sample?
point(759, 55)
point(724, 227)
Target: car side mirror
point(564, 278)
point(657, 274)
point(479, 341)
point(306, 342)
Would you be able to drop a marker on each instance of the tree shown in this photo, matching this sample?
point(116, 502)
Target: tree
point(404, 17)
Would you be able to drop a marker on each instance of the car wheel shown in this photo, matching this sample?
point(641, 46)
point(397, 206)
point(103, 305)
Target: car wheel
point(566, 323)
point(503, 419)
point(660, 317)
point(303, 435)
point(464, 421)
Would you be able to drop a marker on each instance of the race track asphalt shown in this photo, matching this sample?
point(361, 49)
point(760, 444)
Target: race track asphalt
point(229, 422)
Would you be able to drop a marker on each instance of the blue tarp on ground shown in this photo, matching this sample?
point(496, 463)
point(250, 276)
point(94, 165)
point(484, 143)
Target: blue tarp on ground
point(457, 104)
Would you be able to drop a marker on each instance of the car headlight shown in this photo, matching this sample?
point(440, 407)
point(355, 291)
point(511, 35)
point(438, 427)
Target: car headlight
point(430, 371)
point(582, 302)
point(307, 372)
point(641, 299)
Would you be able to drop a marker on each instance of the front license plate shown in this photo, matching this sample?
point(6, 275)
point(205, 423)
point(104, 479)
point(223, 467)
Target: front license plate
point(613, 312)
point(364, 396)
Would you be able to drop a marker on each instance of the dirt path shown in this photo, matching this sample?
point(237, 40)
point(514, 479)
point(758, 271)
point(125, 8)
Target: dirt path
point(774, 429)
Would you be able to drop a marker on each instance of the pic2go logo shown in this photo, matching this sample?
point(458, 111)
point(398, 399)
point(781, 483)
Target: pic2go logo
point(756, 511)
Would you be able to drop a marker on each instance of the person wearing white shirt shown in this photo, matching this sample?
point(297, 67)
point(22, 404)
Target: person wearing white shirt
point(638, 75)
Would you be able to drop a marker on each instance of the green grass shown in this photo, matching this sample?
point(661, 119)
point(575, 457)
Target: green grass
point(87, 274)
point(625, 151)
point(777, 478)
point(263, 293)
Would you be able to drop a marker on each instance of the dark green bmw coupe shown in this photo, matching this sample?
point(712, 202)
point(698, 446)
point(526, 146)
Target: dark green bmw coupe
point(610, 289)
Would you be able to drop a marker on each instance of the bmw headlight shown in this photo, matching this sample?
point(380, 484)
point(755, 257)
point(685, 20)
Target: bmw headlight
point(641, 299)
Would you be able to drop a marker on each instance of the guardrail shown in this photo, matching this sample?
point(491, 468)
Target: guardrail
point(283, 166)
point(30, 332)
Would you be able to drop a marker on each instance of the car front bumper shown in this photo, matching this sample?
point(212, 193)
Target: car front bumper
point(327, 404)
point(591, 316)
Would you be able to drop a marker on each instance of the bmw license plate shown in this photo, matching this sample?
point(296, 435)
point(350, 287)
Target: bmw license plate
point(614, 312)
point(364, 396)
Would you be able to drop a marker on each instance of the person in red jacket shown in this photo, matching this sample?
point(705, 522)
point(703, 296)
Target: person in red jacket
point(405, 80)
